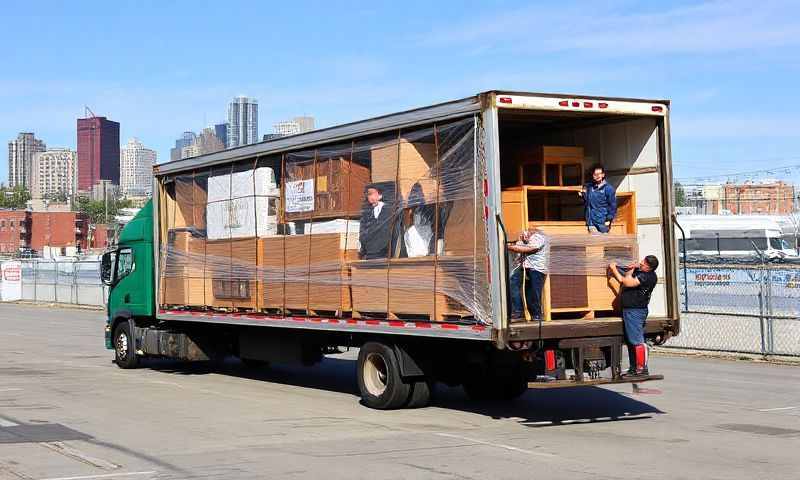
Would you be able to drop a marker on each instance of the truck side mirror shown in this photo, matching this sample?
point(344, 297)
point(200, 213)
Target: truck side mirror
point(107, 268)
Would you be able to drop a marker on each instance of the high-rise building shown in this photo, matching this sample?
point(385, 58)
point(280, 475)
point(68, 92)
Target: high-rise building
point(98, 151)
point(221, 131)
point(294, 126)
point(136, 169)
point(206, 142)
point(54, 174)
point(186, 139)
point(20, 158)
point(242, 121)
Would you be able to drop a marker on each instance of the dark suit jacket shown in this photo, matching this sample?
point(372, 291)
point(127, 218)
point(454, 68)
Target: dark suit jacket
point(375, 233)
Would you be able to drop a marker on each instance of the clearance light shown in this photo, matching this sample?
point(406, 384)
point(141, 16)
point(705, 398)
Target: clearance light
point(505, 99)
point(563, 103)
point(657, 108)
point(588, 104)
point(602, 105)
point(549, 360)
point(576, 104)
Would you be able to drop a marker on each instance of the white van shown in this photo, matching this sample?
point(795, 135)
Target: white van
point(733, 236)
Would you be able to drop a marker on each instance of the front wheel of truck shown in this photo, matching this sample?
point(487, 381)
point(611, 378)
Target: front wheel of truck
point(379, 379)
point(124, 349)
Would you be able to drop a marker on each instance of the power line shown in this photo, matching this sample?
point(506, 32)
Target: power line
point(787, 170)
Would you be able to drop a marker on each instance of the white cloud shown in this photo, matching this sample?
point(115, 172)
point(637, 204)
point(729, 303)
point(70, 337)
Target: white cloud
point(612, 30)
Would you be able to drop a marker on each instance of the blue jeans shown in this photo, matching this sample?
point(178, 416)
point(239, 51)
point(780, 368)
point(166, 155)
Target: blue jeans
point(634, 320)
point(534, 283)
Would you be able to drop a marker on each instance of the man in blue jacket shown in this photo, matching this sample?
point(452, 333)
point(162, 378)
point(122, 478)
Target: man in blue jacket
point(600, 202)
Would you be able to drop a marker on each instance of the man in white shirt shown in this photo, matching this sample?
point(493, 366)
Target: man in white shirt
point(375, 228)
point(533, 248)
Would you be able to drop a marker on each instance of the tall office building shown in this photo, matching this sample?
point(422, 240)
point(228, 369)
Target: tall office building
point(206, 142)
point(54, 174)
point(186, 139)
point(98, 151)
point(242, 121)
point(294, 126)
point(136, 169)
point(20, 158)
point(221, 131)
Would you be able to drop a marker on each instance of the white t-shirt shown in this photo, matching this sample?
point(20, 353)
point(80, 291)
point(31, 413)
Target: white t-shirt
point(539, 260)
point(376, 210)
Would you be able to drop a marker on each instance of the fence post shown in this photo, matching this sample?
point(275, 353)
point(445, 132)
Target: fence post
point(761, 310)
point(55, 286)
point(35, 281)
point(770, 338)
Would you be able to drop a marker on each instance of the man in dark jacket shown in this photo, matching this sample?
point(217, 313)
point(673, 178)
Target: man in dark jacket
point(375, 228)
point(599, 201)
point(637, 284)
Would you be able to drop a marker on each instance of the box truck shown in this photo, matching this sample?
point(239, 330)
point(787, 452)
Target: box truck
point(389, 235)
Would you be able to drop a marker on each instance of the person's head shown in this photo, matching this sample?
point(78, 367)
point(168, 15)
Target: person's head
point(374, 194)
point(598, 173)
point(648, 264)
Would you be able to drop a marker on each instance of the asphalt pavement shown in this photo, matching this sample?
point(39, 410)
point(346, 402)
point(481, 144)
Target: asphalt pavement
point(68, 413)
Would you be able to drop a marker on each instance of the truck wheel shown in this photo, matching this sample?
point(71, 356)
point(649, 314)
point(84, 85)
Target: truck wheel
point(379, 378)
point(124, 349)
point(421, 392)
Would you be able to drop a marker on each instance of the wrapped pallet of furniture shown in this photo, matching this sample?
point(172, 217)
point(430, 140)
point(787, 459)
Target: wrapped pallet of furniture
point(272, 271)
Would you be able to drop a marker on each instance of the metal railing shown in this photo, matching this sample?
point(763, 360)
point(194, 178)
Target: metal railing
point(75, 282)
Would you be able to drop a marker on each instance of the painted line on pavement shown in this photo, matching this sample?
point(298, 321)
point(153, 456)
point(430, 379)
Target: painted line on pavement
point(4, 422)
point(498, 445)
point(107, 475)
point(778, 409)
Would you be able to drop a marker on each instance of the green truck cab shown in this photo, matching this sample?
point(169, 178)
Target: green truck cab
point(128, 271)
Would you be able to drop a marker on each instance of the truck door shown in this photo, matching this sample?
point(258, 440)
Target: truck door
point(127, 292)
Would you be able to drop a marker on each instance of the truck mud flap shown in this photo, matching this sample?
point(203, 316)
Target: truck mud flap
point(592, 382)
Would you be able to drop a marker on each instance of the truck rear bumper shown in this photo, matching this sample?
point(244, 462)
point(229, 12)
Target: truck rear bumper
point(592, 382)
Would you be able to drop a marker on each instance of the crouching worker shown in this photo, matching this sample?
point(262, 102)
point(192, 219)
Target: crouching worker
point(533, 248)
point(638, 282)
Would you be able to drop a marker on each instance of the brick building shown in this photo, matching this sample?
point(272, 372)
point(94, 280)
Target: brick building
point(776, 198)
point(15, 230)
point(98, 151)
point(59, 233)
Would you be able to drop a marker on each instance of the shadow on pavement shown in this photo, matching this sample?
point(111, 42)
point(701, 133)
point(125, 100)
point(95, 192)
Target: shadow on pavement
point(535, 408)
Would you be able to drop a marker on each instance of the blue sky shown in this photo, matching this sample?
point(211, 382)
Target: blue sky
point(160, 68)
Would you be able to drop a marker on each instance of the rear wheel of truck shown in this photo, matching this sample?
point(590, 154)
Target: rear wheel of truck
point(124, 350)
point(379, 378)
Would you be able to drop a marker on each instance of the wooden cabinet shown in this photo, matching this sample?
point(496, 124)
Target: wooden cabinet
point(338, 183)
point(550, 166)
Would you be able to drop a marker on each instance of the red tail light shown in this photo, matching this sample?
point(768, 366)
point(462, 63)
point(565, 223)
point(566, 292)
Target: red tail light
point(505, 99)
point(657, 108)
point(550, 360)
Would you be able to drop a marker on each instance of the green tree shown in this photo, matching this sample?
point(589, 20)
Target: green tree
point(680, 195)
point(96, 209)
point(14, 197)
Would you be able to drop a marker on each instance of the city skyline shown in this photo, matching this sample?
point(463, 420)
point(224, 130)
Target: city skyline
point(728, 112)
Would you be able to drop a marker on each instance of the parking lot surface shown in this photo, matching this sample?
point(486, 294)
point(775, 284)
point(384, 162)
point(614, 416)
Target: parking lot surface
point(67, 412)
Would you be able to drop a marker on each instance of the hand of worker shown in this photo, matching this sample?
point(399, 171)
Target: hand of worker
point(612, 265)
point(608, 223)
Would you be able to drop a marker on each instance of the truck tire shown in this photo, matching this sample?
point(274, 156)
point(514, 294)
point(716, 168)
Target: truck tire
point(124, 348)
point(421, 392)
point(379, 378)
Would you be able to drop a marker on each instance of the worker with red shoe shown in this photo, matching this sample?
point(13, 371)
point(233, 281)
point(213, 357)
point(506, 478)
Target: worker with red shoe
point(638, 282)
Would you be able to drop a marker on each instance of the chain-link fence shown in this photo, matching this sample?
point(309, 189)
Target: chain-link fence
point(63, 281)
point(740, 308)
point(725, 307)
